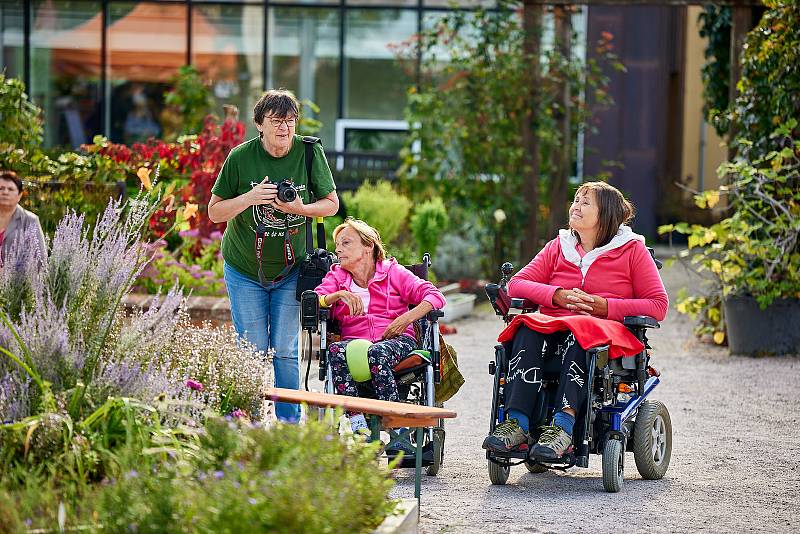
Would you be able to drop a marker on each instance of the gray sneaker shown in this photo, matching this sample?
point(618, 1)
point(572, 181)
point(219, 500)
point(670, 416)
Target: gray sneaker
point(507, 436)
point(552, 444)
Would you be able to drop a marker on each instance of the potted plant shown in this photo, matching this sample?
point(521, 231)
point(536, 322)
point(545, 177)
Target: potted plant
point(752, 257)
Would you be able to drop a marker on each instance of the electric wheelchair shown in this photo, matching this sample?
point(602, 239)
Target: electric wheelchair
point(416, 376)
point(616, 418)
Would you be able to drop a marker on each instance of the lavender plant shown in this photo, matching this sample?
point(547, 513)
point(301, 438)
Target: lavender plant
point(66, 332)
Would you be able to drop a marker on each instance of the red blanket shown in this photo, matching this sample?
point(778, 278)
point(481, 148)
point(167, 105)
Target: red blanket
point(589, 332)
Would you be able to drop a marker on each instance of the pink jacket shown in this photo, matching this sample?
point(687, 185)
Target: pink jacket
point(621, 271)
point(391, 291)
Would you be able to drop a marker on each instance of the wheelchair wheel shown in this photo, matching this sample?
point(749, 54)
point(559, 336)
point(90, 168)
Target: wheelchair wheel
point(438, 453)
point(652, 440)
point(613, 466)
point(498, 474)
point(535, 468)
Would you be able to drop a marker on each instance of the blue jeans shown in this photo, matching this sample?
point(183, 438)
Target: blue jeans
point(269, 317)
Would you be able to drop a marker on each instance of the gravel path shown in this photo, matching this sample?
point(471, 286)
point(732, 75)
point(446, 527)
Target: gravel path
point(735, 458)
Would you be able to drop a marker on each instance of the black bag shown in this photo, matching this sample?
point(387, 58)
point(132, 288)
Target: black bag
point(318, 260)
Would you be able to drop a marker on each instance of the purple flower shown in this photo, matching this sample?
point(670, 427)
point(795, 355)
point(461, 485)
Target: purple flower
point(194, 384)
point(133, 473)
point(238, 413)
point(216, 235)
point(252, 501)
point(194, 232)
point(219, 474)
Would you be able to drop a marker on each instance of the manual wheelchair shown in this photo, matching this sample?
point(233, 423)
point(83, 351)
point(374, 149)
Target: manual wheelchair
point(617, 416)
point(416, 376)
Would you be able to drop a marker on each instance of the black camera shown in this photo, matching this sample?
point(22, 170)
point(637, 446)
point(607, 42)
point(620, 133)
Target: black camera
point(286, 191)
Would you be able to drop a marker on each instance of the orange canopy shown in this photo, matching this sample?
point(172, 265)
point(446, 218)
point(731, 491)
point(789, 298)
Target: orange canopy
point(147, 45)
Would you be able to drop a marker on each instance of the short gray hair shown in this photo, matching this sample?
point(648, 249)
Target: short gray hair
point(278, 102)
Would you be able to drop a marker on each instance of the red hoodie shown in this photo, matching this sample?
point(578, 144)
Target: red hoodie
point(621, 271)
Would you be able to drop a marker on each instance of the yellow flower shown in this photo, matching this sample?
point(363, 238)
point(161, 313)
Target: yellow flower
point(190, 210)
point(144, 176)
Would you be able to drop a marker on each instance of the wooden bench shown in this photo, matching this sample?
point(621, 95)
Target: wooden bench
point(386, 414)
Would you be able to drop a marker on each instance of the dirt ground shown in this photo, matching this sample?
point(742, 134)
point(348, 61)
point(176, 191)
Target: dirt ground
point(735, 459)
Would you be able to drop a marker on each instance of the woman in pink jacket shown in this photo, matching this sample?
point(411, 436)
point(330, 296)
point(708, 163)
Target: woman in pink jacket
point(597, 267)
point(370, 297)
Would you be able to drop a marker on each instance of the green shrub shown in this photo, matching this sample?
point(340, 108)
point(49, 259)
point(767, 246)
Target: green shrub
point(51, 201)
point(287, 478)
point(191, 99)
point(330, 225)
point(234, 478)
point(428, 223)
point(380, 206)
point(21, 119)
point(459, 257)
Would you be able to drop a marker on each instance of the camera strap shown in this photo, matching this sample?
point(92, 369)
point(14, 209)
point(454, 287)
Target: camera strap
point(309, 142)
point(288, 254)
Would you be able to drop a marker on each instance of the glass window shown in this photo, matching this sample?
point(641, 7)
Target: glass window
point(383, 3)
point(309, 2)
point(227, 48)
point(461, 3)
point(146, 47)
point(12, 37)
point(304, 57)
point(376, 81)
point(65, 69)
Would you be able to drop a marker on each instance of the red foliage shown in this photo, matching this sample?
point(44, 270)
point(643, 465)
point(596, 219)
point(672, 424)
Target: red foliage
point(199, 159)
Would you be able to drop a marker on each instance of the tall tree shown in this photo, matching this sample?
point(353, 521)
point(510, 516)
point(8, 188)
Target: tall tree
point(493, 117)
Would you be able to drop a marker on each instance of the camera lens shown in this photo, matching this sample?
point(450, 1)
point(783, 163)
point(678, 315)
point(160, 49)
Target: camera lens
point(286, 191)
point(289, 194)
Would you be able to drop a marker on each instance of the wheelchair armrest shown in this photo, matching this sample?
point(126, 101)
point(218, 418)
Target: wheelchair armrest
point(434, 315)
point(524, 304)
point(640, 321)
point(499, 299)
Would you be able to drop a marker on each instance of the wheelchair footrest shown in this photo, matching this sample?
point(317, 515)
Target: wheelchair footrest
point(410, 460)
point(519, 455)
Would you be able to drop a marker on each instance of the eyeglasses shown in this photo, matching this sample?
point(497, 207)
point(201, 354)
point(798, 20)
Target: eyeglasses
point(290, 123)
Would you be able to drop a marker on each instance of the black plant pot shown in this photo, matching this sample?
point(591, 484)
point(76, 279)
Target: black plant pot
point(756, 332)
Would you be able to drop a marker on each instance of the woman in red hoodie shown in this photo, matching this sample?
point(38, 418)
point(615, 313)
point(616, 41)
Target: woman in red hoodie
point(597, 267)
point(370, 297)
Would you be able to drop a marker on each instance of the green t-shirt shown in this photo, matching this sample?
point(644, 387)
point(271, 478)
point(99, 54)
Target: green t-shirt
point(246, 166)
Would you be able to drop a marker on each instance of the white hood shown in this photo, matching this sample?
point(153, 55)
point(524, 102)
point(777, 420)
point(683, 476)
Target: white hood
point(569, 242)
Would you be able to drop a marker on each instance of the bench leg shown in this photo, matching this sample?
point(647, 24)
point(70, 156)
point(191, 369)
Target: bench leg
point(418, 468)
point(375, 428)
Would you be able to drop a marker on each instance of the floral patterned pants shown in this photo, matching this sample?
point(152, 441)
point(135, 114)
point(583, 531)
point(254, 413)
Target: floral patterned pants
point(381, 356)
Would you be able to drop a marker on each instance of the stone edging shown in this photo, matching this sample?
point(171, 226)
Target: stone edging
point(405, 522)
point(214, 309)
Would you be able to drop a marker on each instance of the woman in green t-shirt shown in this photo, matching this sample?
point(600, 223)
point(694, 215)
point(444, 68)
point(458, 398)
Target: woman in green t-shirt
point(265, 234)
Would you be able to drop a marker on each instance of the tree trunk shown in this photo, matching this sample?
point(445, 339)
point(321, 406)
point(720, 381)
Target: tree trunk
point(531, 23)
point(741, 23)
point(560, 181)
